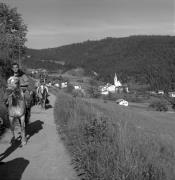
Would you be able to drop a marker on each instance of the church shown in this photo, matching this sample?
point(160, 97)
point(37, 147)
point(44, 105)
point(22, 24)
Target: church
point(116, 88)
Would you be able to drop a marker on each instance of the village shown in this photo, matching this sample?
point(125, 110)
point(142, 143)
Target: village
point(81, 87)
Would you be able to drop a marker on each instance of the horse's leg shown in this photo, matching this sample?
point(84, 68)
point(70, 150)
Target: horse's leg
point(28, 110)
point(12, 128)
point(23, 131)
point(44, 104)
point(41, 103)
point(27, 116)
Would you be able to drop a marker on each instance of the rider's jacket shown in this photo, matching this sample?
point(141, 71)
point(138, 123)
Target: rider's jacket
point(24, 80)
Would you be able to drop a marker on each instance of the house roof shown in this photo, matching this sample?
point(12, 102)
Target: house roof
point(119, 100)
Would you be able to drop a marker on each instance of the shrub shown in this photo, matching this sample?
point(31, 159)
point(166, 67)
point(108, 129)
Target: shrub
point(93, 92)
point(69, 88)
point(77, 93)
point(114, 96)
point(159, 105)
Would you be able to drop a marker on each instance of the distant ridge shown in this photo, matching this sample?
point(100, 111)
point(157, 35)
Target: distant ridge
point(148, 59)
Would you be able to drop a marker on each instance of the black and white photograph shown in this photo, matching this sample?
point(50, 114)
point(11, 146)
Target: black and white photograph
point(87, 90)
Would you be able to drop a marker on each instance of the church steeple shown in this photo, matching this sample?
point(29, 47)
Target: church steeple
point(115, 80)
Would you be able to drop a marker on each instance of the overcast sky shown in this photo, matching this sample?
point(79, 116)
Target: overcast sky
point(53, 23)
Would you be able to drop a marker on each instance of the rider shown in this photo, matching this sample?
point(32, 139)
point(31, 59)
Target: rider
point(24, 80)
point(43, 82)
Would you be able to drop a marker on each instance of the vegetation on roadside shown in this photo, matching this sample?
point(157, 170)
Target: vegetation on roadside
point(12, 39)
point(108, 148)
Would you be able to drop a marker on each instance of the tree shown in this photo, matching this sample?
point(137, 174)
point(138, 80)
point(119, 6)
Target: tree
point(12, 34)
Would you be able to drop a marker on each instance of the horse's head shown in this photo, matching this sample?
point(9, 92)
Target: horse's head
point(14, 90)
point(13, 83)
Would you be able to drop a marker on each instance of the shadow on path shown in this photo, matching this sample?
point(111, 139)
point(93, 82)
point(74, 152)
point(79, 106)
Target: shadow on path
point(13, 170)
point(9, 150)
point(33, 128)
point(48, 106)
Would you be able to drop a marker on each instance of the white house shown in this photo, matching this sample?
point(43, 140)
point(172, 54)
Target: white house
point(111, 88)
point(105, 92)
point(63, 84)
point(122, 102)
point(171, 94)
point(161, 92)
point(56, 85)
point(77, 87)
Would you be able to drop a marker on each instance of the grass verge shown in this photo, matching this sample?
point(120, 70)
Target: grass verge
point(106, 148)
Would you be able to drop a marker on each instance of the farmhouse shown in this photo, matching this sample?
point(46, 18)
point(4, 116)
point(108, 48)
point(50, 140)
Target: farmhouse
point(122, 102)
point(161, 92)
point(77, 87)
point(61, 85)
point(171, 94)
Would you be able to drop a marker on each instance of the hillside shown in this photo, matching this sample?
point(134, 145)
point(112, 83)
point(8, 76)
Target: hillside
point(145, 59)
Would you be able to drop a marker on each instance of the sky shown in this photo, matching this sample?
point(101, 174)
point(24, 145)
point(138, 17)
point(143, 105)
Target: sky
point(53, 23)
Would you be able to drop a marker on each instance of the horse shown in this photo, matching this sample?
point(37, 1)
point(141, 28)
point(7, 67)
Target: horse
point(33, 98)
point(17, 108)
point(42, 93)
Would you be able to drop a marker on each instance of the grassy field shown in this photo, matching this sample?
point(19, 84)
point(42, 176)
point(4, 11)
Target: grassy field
point(160, 123)
point(109, 142)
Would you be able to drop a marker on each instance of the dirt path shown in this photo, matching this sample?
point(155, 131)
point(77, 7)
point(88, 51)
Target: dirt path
point(43, 158)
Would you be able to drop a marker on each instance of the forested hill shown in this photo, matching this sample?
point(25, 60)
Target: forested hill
point(148, 59)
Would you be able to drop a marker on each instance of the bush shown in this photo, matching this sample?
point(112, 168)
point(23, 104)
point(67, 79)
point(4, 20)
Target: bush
point(69, 89)
point(114, 96)
point(93, 92)
point(77, 93)
point(159, 105)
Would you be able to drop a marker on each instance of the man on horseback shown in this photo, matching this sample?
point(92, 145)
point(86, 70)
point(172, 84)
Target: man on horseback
point(24, 82)
point(40, 89)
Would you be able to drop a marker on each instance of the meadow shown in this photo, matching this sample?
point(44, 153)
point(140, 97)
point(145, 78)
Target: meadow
point(109, 142)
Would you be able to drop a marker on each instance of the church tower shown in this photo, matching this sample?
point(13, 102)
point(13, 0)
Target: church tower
point(115, 80)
